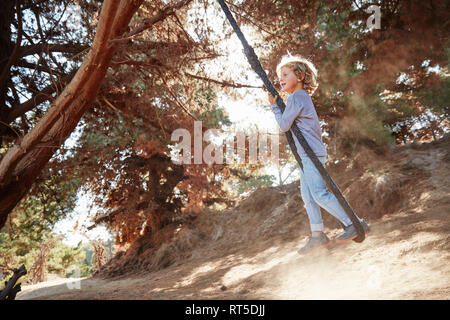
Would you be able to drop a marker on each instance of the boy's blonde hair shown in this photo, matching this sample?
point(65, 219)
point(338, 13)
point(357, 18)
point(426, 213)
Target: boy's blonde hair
point(301, 65)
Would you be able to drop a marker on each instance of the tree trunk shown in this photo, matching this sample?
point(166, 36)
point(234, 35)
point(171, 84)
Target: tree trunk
point(11, 289)
point(24, 162)
point(6, 16)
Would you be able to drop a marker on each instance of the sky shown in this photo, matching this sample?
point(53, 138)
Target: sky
point(81, 217)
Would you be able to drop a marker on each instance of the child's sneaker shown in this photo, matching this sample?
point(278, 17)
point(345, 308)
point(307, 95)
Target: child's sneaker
point(350, 232)
point(314, 243)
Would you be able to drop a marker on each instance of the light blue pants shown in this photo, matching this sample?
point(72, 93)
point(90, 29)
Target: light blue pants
point(315, 195)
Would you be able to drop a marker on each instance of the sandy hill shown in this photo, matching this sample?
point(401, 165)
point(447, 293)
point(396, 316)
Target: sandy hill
point(249, 251)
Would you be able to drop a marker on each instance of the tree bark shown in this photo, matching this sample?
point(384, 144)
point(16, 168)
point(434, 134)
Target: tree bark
point(24, 162)
point(6, 47)
point(10, 290)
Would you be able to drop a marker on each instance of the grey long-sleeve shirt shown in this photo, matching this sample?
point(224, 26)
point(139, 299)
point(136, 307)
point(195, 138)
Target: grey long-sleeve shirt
point(300, 109)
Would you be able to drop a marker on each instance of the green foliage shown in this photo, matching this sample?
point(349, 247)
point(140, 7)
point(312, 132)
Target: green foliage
point(213, 116)
point(371, 113)
point(403, 108)
point(110, 138)
point(32, 220)
point(333, 25)
point(49, 201)
point(437, 99)
point(63, 260)
point(255, 183)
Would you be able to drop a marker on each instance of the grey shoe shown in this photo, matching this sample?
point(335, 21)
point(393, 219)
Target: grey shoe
point(314, 243)
point(350, 232)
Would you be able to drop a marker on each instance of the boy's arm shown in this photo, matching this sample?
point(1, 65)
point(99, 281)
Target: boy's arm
point(294, 108)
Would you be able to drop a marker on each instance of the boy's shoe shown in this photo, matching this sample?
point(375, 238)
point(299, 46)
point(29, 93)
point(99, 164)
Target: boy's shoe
point(314, 243)
point(350, 232)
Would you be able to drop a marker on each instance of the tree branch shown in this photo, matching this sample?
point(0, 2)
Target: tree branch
point(38, 98)
point(148, 23)
point(177, 101)
point(20, 166)
point(25, 64)
point(52, 47)
point(10, 290)
point(223, 83)
point(16, 52)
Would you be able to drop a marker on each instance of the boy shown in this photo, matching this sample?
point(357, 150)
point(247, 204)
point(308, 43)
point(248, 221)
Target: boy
point(298, 76)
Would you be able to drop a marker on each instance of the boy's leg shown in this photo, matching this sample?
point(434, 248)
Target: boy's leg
point(312, 208)
point(319, 192)
point(318, 238)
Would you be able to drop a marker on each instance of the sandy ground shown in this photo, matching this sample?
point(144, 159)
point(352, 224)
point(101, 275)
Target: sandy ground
point(406, 256)
point(382, 267)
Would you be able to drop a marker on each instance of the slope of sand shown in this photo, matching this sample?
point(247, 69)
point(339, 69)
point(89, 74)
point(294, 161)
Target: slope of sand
point(249, 252)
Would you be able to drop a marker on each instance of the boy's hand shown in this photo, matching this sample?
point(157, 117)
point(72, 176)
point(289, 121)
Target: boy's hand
point(272, 99)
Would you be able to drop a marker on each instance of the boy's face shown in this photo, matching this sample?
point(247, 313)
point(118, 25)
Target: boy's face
point(288, 80)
